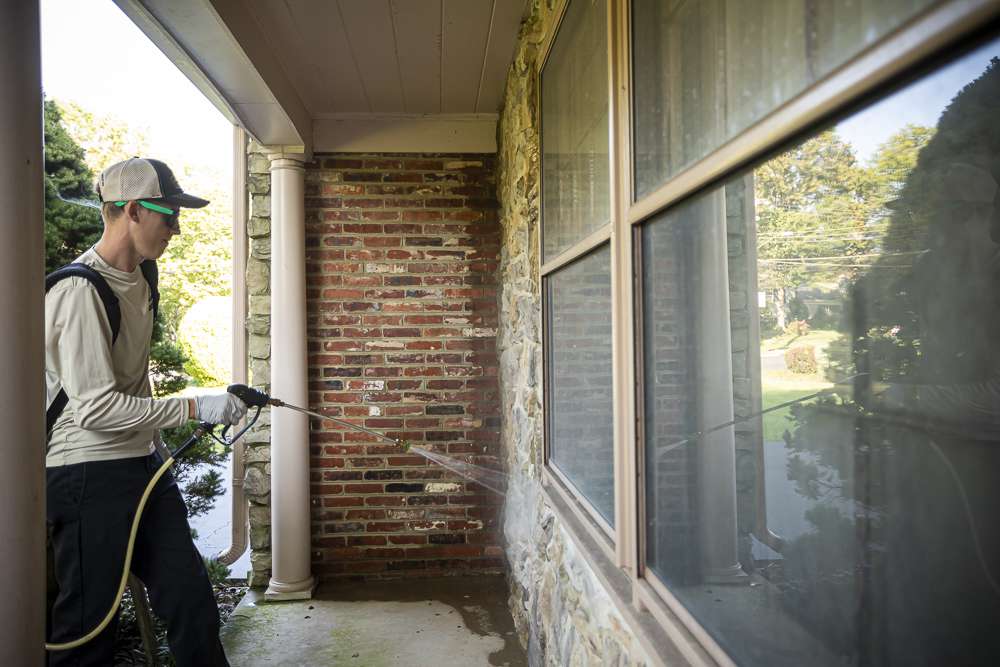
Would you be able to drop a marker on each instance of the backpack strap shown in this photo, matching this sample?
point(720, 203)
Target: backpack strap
point(111, 307)
point(152, 275)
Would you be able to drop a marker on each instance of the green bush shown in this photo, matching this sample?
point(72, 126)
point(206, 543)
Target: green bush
point(768, 323)
point(802, 360)
point(797, 328)
point(218, 572)
point(205, 339)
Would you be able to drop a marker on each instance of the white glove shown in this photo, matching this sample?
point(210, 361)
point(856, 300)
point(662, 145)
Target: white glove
point(220, 408)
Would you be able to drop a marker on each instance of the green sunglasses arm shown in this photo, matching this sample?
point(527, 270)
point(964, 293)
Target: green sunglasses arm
point(152, 207)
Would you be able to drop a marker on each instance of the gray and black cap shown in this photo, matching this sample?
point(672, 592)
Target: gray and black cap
point(144, 178)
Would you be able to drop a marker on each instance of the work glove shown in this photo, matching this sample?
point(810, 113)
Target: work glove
point(220, 408)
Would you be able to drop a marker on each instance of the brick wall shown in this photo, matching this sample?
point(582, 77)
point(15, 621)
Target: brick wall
point(670, 353)
point(401, 254)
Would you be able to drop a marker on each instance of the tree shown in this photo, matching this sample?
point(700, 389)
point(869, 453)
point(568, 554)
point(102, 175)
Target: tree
point(104, 138)
point(69, 228)
point(813, 217)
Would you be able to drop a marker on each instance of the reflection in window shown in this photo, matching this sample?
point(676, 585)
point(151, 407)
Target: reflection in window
point(575, 198)
point(705, 70)
point(579, 377)
point(860, 288)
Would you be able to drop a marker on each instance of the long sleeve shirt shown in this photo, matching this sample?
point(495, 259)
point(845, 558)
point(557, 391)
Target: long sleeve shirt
point(110, 413)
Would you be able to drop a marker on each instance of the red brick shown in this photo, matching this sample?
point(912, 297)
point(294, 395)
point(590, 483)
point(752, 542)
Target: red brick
point(370, 329)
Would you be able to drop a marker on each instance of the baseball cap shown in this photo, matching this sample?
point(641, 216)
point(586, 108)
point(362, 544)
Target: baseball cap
point(144, 178)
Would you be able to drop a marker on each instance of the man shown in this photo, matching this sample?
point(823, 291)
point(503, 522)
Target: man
point(101, 450)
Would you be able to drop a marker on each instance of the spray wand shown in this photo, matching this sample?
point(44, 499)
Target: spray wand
point(254, 398)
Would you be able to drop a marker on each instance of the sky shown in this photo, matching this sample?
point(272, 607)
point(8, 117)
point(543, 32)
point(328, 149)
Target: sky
point(93, 54)
point(919, 104)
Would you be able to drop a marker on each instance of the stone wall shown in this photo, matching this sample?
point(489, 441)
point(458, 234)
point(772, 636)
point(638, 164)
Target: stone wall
point(562, 613)
point(401, 264)
point(257, 479)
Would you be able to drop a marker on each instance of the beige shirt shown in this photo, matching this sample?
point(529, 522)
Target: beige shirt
point(110, 414)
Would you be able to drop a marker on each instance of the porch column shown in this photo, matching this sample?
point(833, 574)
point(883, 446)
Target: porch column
point(716, 450)
point(291, 574)
point(22, 357)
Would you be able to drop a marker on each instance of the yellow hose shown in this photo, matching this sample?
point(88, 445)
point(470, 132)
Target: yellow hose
point(128, 561)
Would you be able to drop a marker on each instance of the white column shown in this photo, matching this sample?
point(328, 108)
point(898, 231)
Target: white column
point(22, 360)
point(291, 572)
point(716, 450)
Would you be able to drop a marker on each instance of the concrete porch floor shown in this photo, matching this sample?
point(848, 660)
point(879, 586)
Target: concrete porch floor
point(435, 622)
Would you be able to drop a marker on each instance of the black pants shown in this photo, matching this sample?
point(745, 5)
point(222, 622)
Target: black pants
point(90, 510)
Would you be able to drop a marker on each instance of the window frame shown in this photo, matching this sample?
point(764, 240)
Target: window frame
point(930, 34)
point(554, 480)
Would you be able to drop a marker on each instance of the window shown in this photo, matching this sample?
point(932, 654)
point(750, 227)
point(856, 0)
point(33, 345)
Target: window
point(705, 70)
point(574, 107)
point(576, 257)
point(579, 354)
point(822, 387)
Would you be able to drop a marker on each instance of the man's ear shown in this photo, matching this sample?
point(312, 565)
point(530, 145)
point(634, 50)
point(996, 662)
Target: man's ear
point(132, 211)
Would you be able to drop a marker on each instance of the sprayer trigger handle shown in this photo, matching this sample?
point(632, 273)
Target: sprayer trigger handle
point(252, 397)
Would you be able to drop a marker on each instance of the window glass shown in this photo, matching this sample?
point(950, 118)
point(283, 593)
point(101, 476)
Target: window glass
point(575, 129)
point(822, 479)
point(579, 378)
point(704, 70)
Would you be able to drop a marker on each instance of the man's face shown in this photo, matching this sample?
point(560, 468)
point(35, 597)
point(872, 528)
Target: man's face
point(154, 229)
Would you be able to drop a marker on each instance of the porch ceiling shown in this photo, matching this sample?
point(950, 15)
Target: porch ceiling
point(344, 74)
point(393, 56)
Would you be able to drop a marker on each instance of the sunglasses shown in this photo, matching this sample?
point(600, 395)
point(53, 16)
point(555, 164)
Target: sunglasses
point(173, 216)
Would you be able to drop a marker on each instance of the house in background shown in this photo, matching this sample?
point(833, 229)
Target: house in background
point(530, 238)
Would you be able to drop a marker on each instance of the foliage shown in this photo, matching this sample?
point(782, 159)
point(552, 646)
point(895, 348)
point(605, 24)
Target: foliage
point(69, 228)
point(166, 364)
point(768, 323)
point(811, 213)
point(801, 360)
point(218, 572)
point(128, 644)
point(105, 139)
point(205, 336)
point(797, 328)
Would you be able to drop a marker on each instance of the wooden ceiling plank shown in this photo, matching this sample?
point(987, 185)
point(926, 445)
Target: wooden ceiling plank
point(279, 30)
point(324, 40)
point(507, 15)
point(368, 26)
point(465, 30)
point(418, 40)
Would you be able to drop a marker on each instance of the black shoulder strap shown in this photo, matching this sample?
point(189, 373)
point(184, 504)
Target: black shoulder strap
point(111, 307)
point(152, 275)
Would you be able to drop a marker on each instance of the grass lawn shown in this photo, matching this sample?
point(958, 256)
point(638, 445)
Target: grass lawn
point(818, 338)
point(777, 422)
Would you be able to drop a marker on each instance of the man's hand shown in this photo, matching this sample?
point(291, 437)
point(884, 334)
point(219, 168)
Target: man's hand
point(220, 408)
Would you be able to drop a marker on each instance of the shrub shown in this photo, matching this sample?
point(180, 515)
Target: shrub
point(797, 309)
point(218, 572)
point(802, 360)
point(768, 323)
point(797, 328)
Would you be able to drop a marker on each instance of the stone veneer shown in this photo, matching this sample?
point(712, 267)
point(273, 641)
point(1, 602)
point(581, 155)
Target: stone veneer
point(257, 479)
point(562, 612)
